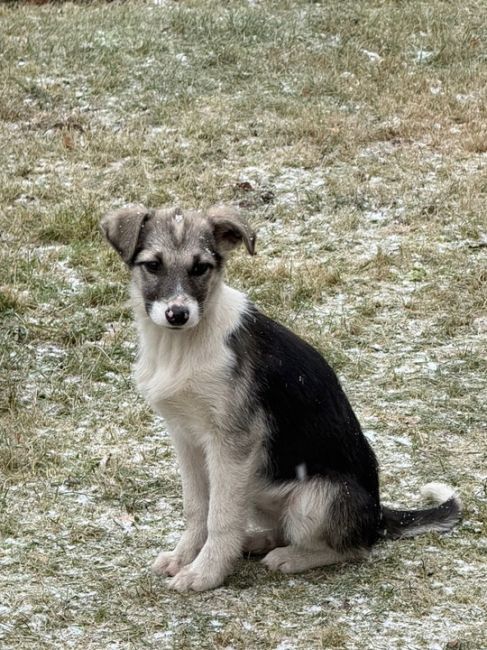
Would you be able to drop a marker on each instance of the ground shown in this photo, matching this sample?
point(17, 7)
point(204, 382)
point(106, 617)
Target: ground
point(353, 134)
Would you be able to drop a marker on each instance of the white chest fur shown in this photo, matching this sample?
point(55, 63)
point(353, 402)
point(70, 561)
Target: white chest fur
point(185, 374)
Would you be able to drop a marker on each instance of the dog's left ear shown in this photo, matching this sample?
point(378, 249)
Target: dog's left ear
point(231, 229)
point(123, 230)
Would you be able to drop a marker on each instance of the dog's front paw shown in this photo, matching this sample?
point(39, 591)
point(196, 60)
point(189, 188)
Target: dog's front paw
point(167, 563)
point(194, 579)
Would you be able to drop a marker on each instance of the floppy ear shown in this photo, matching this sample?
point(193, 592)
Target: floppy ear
point(231, 229)
point(123, 229)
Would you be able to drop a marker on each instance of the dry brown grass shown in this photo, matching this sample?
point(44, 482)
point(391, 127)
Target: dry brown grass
point(352, 132)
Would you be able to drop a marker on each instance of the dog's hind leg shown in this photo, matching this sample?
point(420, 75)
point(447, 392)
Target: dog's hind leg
point(262, 541)
point(265, 530)
point(264, 534)
point(323, 524)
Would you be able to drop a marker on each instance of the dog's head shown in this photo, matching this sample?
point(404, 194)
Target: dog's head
point(176, 256)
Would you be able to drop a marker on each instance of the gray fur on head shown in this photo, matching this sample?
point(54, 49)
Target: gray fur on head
point(122, 228)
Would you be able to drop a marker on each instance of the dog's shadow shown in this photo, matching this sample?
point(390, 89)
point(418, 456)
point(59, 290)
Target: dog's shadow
point(251, 573)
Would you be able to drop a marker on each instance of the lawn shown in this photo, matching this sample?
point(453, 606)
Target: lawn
point(354, 136)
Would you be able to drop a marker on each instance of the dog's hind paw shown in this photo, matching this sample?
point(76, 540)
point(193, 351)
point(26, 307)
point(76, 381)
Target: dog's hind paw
point(191, 579)
point(167, 563)
point(293, 559)
point(281, 559)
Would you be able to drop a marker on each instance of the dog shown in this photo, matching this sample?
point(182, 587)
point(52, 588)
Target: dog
point(272, 457)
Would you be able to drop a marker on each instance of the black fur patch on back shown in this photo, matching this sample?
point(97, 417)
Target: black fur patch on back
point(313, 430)
point(311, 422)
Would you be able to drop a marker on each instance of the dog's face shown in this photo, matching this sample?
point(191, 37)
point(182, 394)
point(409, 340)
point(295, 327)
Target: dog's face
point(176, 257)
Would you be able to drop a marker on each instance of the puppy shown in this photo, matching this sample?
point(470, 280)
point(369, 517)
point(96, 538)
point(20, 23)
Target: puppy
point(272, 457)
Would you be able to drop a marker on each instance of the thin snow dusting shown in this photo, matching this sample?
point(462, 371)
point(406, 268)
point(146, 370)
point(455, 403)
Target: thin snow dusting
point(290, 185)
point(423, 56)
point(373, 57)
point(90, 489)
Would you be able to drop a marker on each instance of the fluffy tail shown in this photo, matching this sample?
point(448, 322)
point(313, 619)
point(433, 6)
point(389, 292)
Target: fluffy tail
point(409, 523)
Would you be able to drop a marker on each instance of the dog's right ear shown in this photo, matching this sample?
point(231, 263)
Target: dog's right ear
point(123, 230)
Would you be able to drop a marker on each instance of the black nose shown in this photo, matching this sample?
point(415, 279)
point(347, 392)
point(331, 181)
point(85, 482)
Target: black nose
point(177, 314)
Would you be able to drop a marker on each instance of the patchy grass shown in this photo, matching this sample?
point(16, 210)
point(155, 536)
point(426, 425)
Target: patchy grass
point(352, 132)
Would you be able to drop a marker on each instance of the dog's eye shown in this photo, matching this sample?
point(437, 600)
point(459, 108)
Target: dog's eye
point(200, 268)
point(154, 266)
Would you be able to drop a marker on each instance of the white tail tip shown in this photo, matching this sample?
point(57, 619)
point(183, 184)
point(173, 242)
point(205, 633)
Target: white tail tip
point(438, 492)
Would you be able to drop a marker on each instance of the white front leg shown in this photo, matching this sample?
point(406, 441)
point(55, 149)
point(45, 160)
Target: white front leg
point(192, 466)
point(230, 474)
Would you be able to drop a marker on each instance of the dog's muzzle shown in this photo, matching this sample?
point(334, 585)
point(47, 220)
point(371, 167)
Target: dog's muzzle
point(176, 313)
